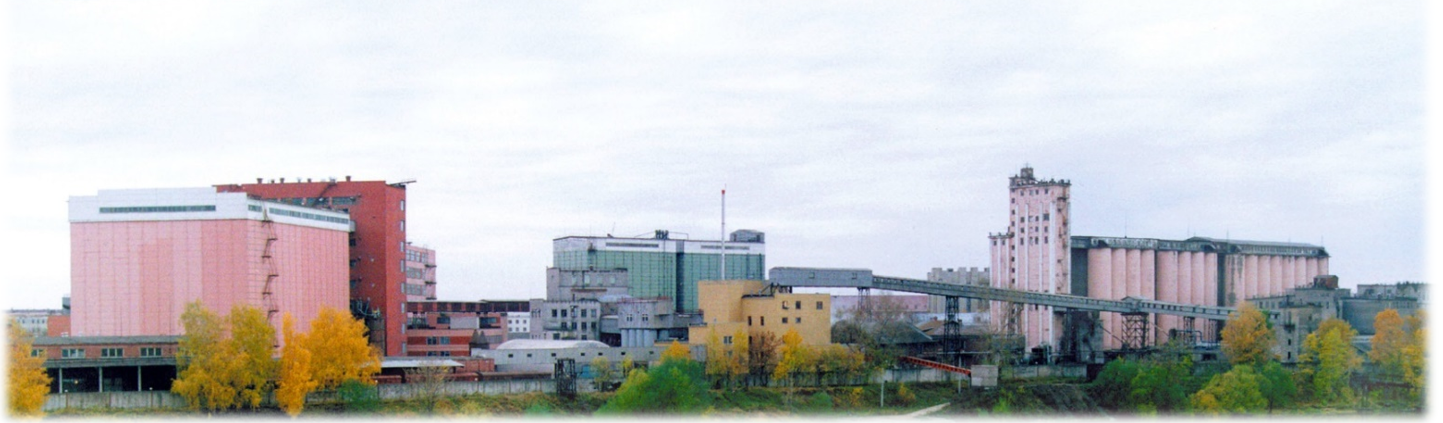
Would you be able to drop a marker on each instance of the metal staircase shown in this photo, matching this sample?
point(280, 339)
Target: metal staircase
point(268, 297)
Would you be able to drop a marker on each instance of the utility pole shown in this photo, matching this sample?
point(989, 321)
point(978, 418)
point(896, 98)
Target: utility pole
point(724, 233)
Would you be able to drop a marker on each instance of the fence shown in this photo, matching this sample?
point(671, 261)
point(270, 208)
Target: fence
point(165, 399)
point(131, 399)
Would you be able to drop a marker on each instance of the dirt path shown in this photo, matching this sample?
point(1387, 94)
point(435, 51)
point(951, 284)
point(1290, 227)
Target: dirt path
point(928, 410)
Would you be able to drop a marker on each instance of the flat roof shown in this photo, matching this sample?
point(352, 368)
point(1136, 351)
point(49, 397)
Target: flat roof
point(103, 340)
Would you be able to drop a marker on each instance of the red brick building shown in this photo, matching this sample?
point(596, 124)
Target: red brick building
point(379, 253)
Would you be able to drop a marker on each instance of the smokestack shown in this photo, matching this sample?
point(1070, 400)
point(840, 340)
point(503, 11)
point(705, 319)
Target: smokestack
point(348, 178)
point(258, 180)
point(283, 180)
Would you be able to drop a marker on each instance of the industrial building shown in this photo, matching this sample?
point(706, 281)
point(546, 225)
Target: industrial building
point(752, 306)
point(1032, 255)
point(1304, 308)
point(379, 283)
point(454, 328)
point(662, 267)
point(959, 276)
point(1038, 253)
point(139, 256)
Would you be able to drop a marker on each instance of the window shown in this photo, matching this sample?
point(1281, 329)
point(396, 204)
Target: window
point(726, 340)
point(150, 351)
point(37, 352)
point(749, 320)
point(553, 313)
point(784, 305)
point(799, 320)
point(403, 205)
point(72, 353)
point(819, 305)
point(784, 320)
point(799, 305)
point(763, 321)
point(403, 226)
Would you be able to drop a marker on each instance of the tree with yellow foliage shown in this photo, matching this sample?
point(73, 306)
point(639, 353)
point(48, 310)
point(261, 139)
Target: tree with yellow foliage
point(204, 362)
point(28, 384)
point(795, 357)
point(1389, 340)
point(1328, 360)
point(676, 351)
point(1239, 391)
point(295, 373)
point(1415, 351)
point(339, 350)
point(740, 352)
point(716, 357)
point(253, 341)
point(1246, 337)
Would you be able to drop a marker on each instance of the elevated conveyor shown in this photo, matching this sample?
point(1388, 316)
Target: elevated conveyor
point(863, 278)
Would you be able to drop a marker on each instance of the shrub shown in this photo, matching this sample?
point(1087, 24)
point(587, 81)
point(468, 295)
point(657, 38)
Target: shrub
point(674, 386)
point(359, 397)
point(820, 401)
point(904, 395)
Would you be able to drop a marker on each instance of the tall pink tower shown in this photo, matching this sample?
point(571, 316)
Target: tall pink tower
point(1033, 255)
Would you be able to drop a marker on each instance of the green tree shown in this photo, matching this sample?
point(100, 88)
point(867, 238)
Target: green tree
point(203, 360)
point(603, 374)
point(295, 373)
point(1239, 391)
point(339, 350)
point(674, 386)
point(1247, 338)
point(252, 345)
point(1328, 359)
point(28, 383)
point(1113, 386)
point(1277, 386)
point(1161, 383)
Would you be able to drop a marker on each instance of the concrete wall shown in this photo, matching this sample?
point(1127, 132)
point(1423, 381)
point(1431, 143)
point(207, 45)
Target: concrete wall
point(152, 399)
point(489, 387)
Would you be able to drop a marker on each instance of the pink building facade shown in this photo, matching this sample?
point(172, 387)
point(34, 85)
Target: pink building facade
point(1033, 255)
point(1197, 271)
point(1037, 253)
point(139, 256)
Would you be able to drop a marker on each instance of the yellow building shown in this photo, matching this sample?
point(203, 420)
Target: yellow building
point(729, 306)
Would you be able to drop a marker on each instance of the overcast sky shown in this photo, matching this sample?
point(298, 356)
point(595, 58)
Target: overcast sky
point(873, 135)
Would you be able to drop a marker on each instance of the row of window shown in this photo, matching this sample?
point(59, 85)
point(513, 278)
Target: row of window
point(438, 340)
point(763, 320)
point(157, 209)
point(115, 352)
point(303, 215)
point(598, 354)
point(798, 305)
point(581, 313)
